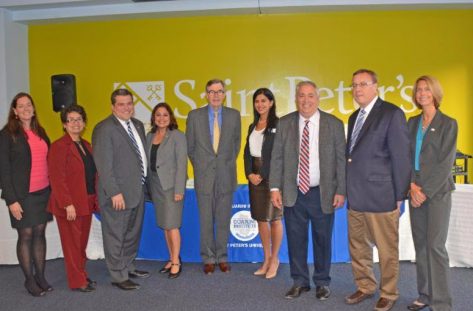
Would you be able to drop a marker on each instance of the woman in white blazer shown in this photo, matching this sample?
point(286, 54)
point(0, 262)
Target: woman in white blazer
point(167, 174)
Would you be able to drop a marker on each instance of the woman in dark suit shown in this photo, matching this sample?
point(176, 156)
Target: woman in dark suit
point(433, 137)
point(25, 188)
point(167, 149)
point(72, 174)
point(257, 157)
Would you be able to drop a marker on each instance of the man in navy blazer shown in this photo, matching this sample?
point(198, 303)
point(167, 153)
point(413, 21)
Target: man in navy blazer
point(378, 176)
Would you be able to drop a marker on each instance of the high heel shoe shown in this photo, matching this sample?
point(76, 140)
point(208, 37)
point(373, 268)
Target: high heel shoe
point(33, 288)
point(175, 275)
point(165, 268)
point(261, 270)
point(272, 271)
point(43, 283)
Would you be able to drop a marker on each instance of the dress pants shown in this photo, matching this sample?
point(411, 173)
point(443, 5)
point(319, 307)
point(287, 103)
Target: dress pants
point(215, 212)
point(364, 231)
point(121, 231)
point(308, 208)
point(429, 224)
point(74, 237)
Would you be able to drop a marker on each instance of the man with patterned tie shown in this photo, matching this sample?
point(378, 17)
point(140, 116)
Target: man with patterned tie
point(378, 176)
point(307, 177)
point(118, 148)
point(213, 135)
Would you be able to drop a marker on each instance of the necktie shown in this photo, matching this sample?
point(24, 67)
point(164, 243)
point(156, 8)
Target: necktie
point(304, 179)
point(137, 150)
point(216, 137)
point(356, 131)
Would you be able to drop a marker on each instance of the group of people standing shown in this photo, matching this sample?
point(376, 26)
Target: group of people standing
point(300, 167)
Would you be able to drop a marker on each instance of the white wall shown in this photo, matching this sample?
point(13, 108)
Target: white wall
point(14, 71)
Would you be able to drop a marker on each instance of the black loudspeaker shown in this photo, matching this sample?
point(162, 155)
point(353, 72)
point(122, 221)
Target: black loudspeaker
point(63, 88)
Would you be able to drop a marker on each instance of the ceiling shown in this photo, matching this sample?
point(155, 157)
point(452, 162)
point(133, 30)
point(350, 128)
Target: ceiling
point(44, 11)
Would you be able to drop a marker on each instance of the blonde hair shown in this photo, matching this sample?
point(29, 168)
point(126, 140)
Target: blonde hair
point(435, 88)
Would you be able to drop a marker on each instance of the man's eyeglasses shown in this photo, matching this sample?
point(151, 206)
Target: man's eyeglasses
point(361, 85)
point(219, 92)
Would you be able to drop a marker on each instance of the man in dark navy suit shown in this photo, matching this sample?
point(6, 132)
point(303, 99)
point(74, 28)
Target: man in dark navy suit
point(378, 176)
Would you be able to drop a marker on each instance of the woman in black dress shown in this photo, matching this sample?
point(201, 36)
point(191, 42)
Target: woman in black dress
point(257, 156)
point(25, 188)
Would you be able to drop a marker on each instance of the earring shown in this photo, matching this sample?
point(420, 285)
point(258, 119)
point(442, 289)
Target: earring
point(16, 116)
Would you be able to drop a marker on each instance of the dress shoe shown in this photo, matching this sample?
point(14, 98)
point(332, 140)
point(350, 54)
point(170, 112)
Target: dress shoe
point(416, 306)
point(357, 297)
point(296, 291)
point(86, 289)
point(209, 268)
point(175, 275)
point(384, 304)
point(138, 274)
point(91, 282)
point(166, 268)
point(224, 267)
point(43, 283)
point(262, 270)
point(273, 270)
point(322, 292)
point(126, 285)
point(33, 288)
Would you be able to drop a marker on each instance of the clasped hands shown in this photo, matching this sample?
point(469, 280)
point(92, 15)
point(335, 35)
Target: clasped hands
point(417, 196)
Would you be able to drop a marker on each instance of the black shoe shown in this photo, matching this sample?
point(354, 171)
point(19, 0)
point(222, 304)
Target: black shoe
point(139, 274)
point(33, 288)
point(43, 283)
point(322, 292)
point(416, 307)
point(175, 275)
point(91, 282)
point(164, 269)
point(296, 291)
point(86, 289)
point(126, 285)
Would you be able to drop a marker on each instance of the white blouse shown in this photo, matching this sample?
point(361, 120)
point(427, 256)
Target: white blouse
point(256, 142)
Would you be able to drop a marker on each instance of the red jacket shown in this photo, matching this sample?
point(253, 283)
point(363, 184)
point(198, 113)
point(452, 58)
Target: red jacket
point(67, 178)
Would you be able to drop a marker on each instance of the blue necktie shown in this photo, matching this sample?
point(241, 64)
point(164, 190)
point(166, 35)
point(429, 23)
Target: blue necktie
point(137, 150)
point(356, 131)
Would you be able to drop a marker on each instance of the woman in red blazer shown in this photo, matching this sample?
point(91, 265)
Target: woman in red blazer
point(72, 174)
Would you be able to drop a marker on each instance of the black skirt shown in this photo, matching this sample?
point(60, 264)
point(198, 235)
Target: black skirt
point(34, 210)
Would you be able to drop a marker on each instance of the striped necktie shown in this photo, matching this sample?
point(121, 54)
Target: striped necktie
point(137, 150)
point(356, 131)
point(304, 179)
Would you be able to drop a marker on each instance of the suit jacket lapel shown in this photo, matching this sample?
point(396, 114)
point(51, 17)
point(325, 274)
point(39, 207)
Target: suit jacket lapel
point(124, 133)
point(431, 129)
point(205, 119)
point(373, 115)
point(295, 129)
point(323, 130)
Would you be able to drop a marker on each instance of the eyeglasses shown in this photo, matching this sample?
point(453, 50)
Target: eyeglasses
point(361, 85)
point(78, 120)
point(219, 92)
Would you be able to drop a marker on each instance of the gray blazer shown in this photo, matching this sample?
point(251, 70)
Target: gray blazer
point(118, 165)
point(285, 159)
point(208, 166)
point(171, 160)
point(437, 154)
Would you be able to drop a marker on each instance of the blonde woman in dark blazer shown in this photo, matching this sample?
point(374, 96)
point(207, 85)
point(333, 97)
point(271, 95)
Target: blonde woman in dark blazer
point(167, 176)
point(257, 156)
point(433, 137)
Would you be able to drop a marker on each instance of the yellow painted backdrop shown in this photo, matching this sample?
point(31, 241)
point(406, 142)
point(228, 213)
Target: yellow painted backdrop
point(251, 51)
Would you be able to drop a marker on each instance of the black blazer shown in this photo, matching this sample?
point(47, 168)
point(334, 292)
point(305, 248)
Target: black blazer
point(267, 148)
point(15, 166)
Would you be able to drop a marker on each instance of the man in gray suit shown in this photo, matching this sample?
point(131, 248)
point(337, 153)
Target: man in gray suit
point(119, 154)
point(307, 177)
point(213, 139)
point(378, 175)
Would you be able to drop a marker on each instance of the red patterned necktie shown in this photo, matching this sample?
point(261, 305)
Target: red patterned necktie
point(304, 179)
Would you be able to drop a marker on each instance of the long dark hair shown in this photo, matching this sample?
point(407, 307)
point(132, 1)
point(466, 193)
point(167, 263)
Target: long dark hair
point(272, 117)
point(172, 122)
point(14, 126)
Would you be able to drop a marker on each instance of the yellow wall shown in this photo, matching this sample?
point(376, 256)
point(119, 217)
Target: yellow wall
point(253, 51)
